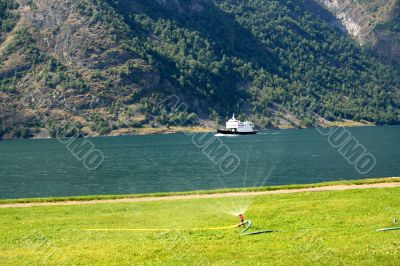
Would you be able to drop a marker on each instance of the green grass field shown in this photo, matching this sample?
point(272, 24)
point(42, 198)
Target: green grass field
point(328, 228)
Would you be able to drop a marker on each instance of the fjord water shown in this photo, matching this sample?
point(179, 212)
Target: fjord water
point(166, 163)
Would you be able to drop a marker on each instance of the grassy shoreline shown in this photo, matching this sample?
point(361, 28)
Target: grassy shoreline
point(201, 192)
point(324, 228)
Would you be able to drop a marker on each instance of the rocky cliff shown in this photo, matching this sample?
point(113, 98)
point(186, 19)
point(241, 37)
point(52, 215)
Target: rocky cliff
point(372, 22)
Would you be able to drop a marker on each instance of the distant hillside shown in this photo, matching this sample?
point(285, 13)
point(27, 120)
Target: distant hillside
point(105, 66)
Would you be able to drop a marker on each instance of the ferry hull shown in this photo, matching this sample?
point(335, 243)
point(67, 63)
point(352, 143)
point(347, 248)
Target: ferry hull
point(229, 132)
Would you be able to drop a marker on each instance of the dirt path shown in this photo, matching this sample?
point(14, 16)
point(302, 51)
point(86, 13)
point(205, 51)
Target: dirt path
point(205, 196)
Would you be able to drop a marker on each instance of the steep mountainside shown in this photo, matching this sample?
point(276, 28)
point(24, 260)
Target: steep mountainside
point(108, 66)
point(371, 22)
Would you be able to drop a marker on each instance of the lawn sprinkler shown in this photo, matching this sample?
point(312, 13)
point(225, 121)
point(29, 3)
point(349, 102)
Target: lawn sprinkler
point(242, 221)
point(247, 225)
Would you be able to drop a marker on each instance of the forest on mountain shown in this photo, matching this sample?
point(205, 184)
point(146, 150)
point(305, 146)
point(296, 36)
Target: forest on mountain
point(108, 65)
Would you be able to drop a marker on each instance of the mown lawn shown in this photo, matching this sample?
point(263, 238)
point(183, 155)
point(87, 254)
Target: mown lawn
point(328, 228)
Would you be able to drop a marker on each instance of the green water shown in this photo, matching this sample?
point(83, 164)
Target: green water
point(164, 163)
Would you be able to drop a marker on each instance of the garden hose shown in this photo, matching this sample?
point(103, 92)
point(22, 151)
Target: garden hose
point(248, 226)
point(243, 233)
point(161, 229)
point(388, 229)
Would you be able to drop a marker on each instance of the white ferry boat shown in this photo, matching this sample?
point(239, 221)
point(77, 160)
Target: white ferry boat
point(236, 127)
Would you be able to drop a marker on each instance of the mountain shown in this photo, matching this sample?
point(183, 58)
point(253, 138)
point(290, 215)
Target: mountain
point(109, 67)
point(375, 23)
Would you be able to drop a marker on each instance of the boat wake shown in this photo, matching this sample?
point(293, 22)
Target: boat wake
point(270, 133)
point(225, 135)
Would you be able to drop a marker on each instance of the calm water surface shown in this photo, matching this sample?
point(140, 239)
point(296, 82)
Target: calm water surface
point(164, 163)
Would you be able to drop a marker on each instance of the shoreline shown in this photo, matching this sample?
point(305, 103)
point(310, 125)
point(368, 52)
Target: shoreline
point(146, 131)
point(216, 193)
